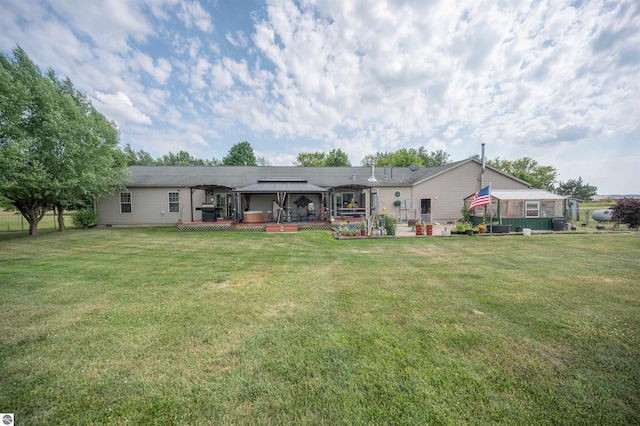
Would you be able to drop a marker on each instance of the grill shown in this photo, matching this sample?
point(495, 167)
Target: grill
point(209, 212)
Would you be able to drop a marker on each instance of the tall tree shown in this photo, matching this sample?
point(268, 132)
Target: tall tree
point(137, 158)
point(337, 158)
point(311, 159)
point(182, 158)
point(432, 159)
point(577, 189)
point(240, 154)
point(55, 148)
point(406, 157)
point(401, 158)
point(528, 169)
point(261, 160)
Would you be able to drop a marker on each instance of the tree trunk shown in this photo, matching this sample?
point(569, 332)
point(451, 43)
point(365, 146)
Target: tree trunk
point(33, 228)
point(34, 215)
point(60, 209)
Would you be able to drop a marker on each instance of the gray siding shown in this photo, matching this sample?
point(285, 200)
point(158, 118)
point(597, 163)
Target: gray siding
point(453, 186)
point(446, 186)
point(147, 207)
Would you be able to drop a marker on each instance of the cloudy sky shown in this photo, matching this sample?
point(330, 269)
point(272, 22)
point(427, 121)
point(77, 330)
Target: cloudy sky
point(557, 81)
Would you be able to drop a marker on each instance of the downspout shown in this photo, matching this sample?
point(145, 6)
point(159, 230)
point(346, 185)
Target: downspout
point(483, 168)
point(191, 202)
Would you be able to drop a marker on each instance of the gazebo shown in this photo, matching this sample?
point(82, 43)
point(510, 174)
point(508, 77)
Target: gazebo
point(269, 199)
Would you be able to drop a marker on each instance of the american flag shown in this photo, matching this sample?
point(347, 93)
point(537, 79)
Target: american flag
point(481, 197)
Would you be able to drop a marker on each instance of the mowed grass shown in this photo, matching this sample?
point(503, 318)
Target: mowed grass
point(154, 326)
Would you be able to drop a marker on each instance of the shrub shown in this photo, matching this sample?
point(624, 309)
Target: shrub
point(84, 218)
point(627, 211)
point(390, 224)
point(466, 215)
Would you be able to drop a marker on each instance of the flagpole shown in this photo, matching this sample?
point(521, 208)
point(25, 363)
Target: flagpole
point(490, 211)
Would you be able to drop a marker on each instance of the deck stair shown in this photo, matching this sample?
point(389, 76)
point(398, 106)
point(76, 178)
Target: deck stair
point(281, 227)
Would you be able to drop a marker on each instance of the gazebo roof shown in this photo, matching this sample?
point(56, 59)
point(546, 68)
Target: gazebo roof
point(274, 185)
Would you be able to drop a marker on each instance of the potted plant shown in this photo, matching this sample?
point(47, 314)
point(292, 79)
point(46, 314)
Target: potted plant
point(419, 228)
point(363, 229)
point(429, 229)
point(482, 228)
point(468, 229)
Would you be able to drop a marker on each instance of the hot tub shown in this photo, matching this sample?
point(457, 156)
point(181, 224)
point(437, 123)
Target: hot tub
point(253, 216)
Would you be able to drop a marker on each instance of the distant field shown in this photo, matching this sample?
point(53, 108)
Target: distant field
point(13, 221)
point(154, 326)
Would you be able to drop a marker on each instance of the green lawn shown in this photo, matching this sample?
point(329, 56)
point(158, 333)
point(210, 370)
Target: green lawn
point(154, 326)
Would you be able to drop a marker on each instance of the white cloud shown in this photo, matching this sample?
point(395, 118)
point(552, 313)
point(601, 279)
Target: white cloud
point(526, 78)
point(119, 107)
point(239, 40)
point(160, 71)
point(192, 14)
point(108, 23)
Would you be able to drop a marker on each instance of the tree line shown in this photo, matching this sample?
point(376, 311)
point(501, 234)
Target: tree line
point(240, 154)
point(57, 151)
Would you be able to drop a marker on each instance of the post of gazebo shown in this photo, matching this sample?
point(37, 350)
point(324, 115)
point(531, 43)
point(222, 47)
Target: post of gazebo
point(334, 212)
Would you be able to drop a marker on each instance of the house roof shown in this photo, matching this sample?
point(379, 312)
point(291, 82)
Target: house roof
point(233, 177)
point(525, 194)
point(242, 176)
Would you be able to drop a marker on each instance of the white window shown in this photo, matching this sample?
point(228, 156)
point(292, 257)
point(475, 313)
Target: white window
point(125, 202)
point(174, 202)
point(532, 209)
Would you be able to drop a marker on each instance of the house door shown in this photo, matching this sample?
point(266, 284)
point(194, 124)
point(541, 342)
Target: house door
point(222, 207)
point(425, 209)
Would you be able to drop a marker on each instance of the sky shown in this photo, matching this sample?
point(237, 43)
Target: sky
point(557, 81)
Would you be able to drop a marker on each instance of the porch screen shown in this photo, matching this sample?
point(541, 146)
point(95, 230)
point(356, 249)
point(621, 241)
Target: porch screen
point(550, 208)
point(512, 208)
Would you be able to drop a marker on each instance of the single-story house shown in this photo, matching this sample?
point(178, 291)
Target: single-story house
point(167, 195)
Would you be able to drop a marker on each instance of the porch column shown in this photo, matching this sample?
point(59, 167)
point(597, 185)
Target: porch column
point(191, 189)
point(238, 206)
point(367, 204)
point(334, 205)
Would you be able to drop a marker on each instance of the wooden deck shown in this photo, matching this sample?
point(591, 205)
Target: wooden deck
point(282, 227)
point(225, 225)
